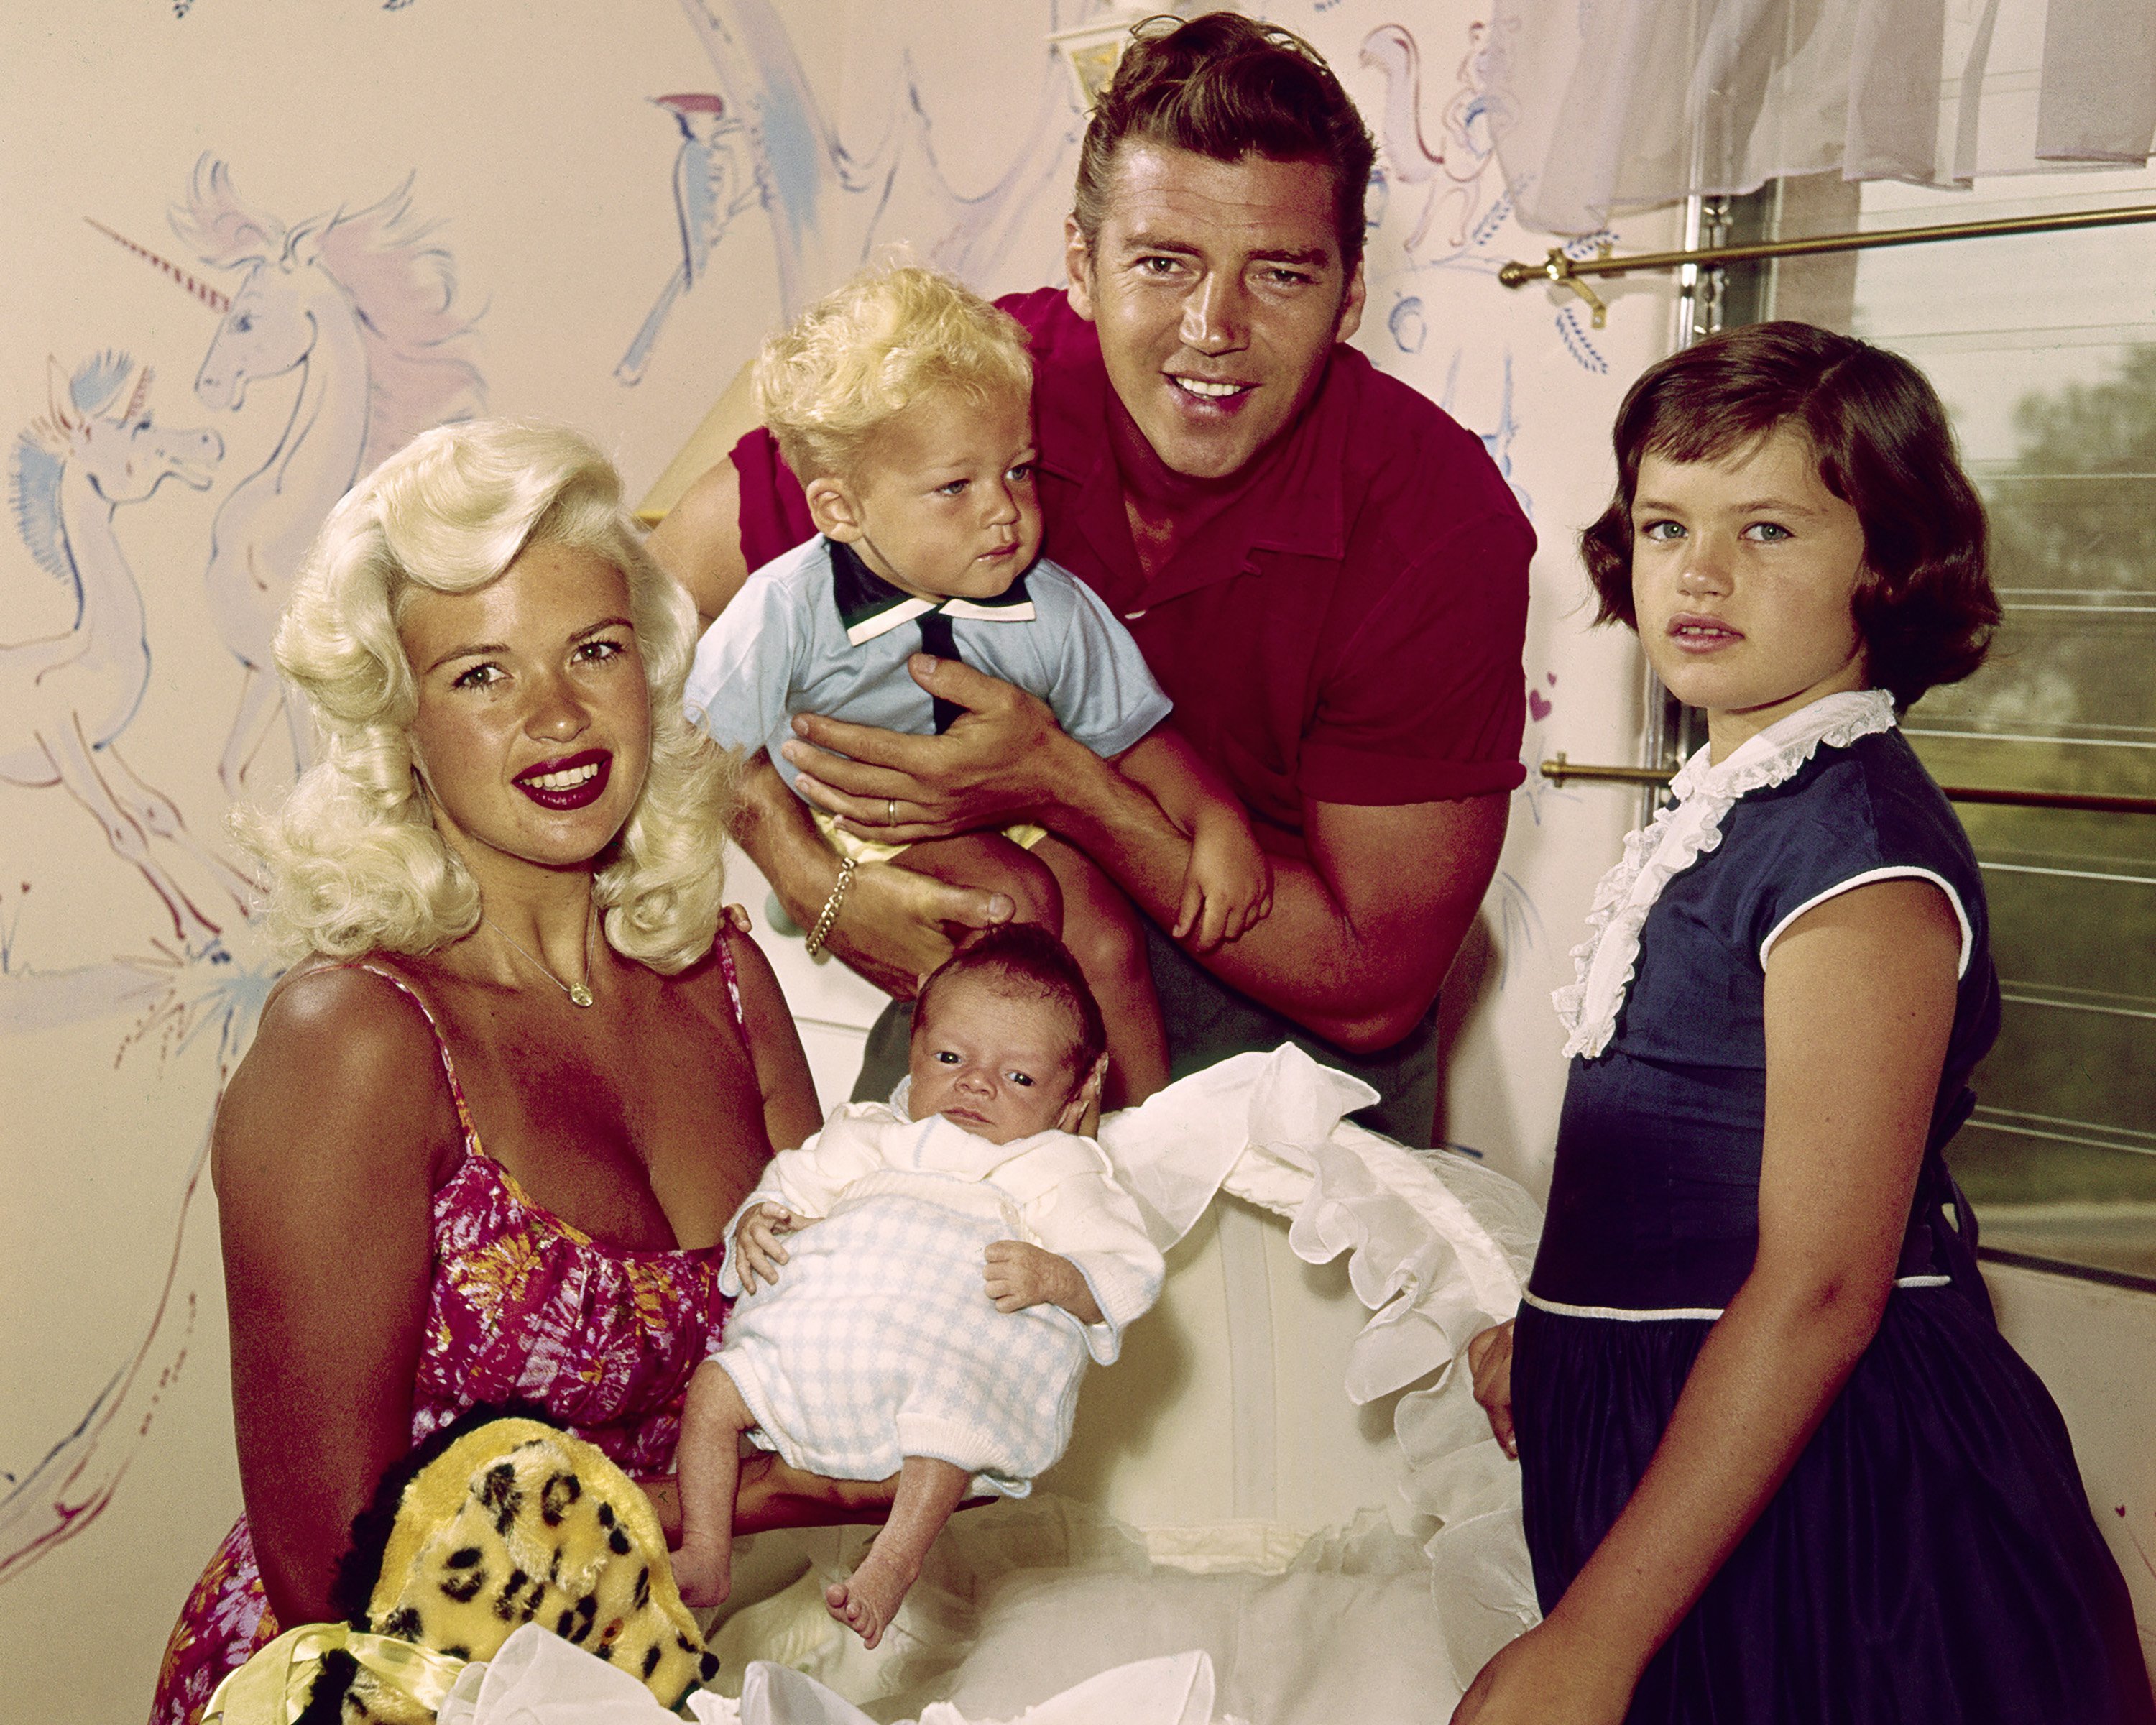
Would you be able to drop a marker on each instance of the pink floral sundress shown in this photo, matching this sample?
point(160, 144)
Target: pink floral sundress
point(524, 1307)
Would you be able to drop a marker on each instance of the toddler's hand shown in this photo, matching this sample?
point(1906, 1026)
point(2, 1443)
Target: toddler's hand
point(757, 1252)
point(1017, 1274)
point(1227, 885)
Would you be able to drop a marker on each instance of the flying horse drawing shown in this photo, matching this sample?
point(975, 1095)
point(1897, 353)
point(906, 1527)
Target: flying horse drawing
point(361, 307)
point(64, 699)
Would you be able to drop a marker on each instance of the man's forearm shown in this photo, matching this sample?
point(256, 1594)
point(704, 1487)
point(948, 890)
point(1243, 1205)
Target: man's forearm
point(1307, 959)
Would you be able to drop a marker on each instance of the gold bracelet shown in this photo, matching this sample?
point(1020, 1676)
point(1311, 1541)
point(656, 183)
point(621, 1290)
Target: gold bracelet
point(821, 931)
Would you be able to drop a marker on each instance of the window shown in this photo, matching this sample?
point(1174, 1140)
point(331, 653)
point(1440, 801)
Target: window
point(2044, 347)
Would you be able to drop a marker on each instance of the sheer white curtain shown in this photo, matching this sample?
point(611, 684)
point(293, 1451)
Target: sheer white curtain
point(1604, 105)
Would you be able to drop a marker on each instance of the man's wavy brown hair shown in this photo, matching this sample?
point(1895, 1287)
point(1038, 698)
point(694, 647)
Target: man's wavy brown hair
point(1225, 86)
point(1923, 604)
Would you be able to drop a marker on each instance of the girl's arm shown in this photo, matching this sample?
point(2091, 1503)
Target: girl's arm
point(325, 1153)
point(1860, 1000)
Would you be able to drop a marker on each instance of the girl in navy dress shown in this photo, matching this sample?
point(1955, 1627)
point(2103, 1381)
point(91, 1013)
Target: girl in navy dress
point(1778, 1464)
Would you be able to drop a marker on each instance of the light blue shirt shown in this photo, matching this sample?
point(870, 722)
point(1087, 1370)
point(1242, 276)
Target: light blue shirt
point(813, 633)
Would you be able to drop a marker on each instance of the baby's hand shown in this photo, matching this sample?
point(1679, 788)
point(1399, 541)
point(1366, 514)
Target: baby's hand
point(757, 1252)
point(1227, 886)
point(1017, 1274)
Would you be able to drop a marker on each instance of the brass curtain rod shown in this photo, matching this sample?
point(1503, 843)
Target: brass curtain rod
point(1564, 272)
point(1558, 769)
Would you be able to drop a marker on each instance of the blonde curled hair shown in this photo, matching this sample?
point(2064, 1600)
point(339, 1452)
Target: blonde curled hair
point(829, 384)
point(352, 859)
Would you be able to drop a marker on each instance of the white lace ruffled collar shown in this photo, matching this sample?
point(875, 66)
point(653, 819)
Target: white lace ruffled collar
point(1678, 837)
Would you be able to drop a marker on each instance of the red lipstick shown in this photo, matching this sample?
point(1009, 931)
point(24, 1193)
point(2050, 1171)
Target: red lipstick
point(581, 780)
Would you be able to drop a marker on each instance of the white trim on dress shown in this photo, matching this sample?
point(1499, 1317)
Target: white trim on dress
point(1678, 836)
point(1892, 871)
point(1706, 1314)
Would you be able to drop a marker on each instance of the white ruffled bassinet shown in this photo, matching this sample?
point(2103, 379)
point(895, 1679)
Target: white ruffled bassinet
point(1287, 1471)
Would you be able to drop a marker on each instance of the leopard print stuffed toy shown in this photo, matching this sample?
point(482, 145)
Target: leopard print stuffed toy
point(506, 1522)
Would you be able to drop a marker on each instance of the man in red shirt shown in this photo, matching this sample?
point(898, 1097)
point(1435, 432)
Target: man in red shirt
point(1326, 572)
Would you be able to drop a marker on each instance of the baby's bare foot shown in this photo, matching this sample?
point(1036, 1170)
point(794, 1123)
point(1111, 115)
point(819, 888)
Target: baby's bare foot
point(866, 1600)
point(703, 1576)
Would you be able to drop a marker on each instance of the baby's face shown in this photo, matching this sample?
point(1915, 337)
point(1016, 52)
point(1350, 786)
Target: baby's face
point(946, 507)
point(998, 1063)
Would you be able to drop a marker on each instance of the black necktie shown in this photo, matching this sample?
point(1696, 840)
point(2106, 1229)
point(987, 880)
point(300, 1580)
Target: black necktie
point(935, 638)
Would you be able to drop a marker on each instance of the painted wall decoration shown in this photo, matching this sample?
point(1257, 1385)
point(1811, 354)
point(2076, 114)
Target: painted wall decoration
point(1438, 188)
point(66, 700)
point(533, 211)
point(362, 308)
point(764, 140)
point(358, 309)
point(714, 182)
point(1450, 173)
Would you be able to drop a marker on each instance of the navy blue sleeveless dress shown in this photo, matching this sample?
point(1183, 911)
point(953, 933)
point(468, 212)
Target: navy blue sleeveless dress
point(1932, 1556)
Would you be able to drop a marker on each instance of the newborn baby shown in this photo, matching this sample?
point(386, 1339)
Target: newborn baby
point(964, 1262)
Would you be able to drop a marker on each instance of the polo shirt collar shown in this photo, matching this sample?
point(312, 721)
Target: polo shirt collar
point(1293, 499)
point(870, 606)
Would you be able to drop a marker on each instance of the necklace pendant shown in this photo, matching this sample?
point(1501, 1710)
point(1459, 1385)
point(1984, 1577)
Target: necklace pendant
point(579, 995)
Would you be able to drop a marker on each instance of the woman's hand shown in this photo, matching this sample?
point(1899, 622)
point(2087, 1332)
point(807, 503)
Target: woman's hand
point(1490, 1359)
point(1551, 1675)
point(897, 925)
point(757, 1247)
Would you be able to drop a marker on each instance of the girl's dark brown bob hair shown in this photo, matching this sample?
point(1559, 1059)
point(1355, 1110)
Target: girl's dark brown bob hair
point(1923, 604)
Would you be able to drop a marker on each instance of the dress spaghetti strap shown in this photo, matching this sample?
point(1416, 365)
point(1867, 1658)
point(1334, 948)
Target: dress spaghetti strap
point(441, 1042)
point(724, 945)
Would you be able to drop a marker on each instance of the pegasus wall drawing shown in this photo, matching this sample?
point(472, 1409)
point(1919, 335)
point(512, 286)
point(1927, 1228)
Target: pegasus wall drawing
point(65, 700)
point(362, 307)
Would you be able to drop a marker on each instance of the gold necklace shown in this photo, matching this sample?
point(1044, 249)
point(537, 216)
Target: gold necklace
point(579, 993)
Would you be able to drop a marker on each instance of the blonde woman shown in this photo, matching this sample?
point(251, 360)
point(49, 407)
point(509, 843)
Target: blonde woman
point(494, 1120)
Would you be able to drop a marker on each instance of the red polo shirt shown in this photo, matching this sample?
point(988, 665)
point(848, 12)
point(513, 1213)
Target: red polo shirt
point(1349, 630)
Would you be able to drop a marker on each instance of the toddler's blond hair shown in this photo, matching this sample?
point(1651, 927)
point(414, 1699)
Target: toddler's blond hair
point(829, 383)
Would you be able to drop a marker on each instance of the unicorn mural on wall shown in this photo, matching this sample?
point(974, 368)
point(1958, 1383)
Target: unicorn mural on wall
point(361, 306)
point(65, 700)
